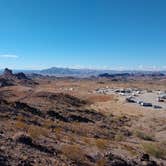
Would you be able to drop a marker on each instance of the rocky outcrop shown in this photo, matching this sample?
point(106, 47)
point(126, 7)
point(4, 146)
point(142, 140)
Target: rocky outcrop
point(3, 160)
point(9, 78)
point(4, 82)
point(21, 76)
point(143, 160)
point(61, 99)
point(8, 73)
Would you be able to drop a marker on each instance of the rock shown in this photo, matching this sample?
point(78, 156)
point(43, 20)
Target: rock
point(7, 72)
point(145, 157)
point(26, 163)
point(145, 160)
point(77, 118)
point(27, 140)
point(21, 76)
point(148, 163)
point(24, 139)
point(4, 82)
point(117, 161)
point(26, 108)
point(56, 115)
point(3, 160)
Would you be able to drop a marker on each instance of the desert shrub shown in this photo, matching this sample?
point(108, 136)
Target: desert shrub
point(78, 128)
point(130, 149)
point(87, 140)
point(36, 132)
point(20, 118)
point(101, 144)
point(71, 139)
point(156, 150)
point(73, 152)
point(23, 138)
point(58, 132)
point(48, 123)
point(144, 136)
point(100, 98)
point(21, 125)
point(101, 162)
point(119, 137)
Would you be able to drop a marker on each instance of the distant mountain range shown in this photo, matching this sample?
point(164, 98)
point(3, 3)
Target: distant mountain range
point(59, 71)
point(73, 72)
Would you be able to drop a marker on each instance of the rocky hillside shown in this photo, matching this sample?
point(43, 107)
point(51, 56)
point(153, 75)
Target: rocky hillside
point(58, 129)
point(9, 79)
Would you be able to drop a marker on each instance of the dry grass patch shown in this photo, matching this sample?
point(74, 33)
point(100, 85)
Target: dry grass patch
point(157, 150)
point(119, 137)
point(101, 98)
point(48, 123)
point(21, 125)
point(130, 148)
point(73, 152)
point(144, 136)
point(36, 132)
point(101, 162)
point(87, 141)
point(101, 144)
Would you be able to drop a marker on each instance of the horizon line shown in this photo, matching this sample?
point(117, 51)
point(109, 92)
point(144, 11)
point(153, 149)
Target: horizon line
point(90, 68)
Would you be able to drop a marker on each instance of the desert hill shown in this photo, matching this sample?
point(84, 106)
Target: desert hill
point(45, 120)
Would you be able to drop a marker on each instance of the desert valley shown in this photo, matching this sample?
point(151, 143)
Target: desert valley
point(93, 121)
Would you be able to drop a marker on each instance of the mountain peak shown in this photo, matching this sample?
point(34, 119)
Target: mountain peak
point(8, 74)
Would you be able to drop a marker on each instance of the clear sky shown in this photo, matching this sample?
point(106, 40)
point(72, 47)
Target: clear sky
point(115, 34)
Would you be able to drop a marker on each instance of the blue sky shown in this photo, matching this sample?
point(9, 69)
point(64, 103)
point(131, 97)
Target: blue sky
point(115, 34)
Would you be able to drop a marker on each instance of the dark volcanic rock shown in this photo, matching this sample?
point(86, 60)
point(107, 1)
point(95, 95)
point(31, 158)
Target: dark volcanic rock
point(27, 140)
point(24, 139)
point(3, 160)
point(4, 82)
point(61, 98)
point(21, 76)
point(68, 118)
point(90, 114)
point(145, 157)
point(27, 108)
point(13, 79)
point(26, 162)
point(17, 108)
point(117, 161)
point(77, 118)
point(144, 160)
point(8, 72)
point(56, 115)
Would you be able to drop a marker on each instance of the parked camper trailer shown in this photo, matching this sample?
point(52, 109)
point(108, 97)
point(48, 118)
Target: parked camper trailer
point(163, 96)
point(146, 104)
point(131, 100)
